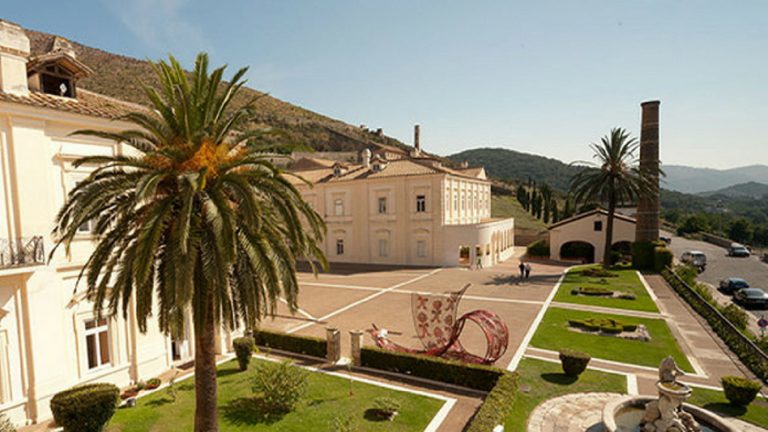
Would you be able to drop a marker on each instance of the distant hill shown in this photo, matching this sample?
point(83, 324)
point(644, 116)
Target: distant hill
point(510, 165)
point(697, 180)
point(120, 77)
point(747, 190)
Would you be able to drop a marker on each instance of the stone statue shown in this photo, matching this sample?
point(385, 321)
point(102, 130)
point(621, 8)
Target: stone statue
point(668, 370)
point(666, 414)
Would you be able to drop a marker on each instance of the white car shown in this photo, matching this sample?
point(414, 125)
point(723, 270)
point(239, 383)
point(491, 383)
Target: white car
point(695, 258)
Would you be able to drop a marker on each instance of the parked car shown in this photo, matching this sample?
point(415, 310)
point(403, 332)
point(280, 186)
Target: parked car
point(695, 258)
point(738, 250)
point(733, 284)
point(667, 240)
point(751, 297)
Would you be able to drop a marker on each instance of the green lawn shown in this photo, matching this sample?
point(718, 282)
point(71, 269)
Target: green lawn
point(326, 398)
point(714, 400)
point(541, 380)
point(627, 281)
point(553, 334)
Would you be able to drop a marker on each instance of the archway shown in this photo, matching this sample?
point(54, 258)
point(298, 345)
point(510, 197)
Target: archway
point(578, 250)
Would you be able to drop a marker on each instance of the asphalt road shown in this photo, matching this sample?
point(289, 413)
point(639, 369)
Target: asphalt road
point(721, 266)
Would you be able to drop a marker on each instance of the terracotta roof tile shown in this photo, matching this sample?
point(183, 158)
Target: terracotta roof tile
point(87, 103)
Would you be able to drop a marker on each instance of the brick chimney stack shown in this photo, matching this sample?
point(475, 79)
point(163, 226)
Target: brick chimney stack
point(647, 228)
point(416, 142)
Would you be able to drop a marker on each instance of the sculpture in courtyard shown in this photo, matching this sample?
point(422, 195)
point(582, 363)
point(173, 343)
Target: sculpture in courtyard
point(665, 414)
point(438, 329)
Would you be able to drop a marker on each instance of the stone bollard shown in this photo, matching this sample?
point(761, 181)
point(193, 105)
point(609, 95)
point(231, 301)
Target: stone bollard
point(356, 337)
point(333, 337)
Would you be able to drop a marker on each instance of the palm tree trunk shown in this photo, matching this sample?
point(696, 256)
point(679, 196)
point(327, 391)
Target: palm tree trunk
point(609, 231)
point(206, 411)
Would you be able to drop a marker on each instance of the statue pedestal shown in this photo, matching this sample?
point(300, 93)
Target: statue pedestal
point(664, 414)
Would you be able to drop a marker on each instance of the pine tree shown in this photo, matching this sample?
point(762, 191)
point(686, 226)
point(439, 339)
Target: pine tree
point(555, 215)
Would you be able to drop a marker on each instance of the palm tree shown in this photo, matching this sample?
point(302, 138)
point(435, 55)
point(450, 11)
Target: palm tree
point(617, 178)
point(195, 216)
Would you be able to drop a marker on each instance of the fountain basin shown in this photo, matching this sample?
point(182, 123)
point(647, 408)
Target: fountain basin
point(625, 413)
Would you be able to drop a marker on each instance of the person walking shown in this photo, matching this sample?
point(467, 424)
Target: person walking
point(522, 271)
point(479, 265)
point(527, 271)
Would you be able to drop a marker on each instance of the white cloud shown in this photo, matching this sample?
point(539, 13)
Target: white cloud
point(161, 25)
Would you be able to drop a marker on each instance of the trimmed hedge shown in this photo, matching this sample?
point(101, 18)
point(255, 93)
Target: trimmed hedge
point(643, 256)
point(243, 350)
point(740, 391)
point(592, 291)
point(85, 408)
point(311, 346)
point(496, 406)
point(745, 349)
point(539, 248)
point(574, 362)
point(611, 326)
point(662, 258)
point(474, 376)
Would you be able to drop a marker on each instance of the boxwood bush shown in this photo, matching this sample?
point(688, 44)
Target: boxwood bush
point(643, 257)
point(243, 350)
point(574, 362)
point(311, 346)
point(740, 391)
point(474, 376)
point(85, 408)
point(662, 258)
point(496, 405)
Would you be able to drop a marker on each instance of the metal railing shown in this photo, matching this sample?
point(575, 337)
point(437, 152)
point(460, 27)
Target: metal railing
point(748, 352)
point(20, 252)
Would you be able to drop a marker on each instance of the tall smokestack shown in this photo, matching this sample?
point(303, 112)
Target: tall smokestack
point(416, 142)
point(647, 228)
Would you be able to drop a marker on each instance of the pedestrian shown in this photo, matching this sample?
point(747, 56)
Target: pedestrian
point(479, 263)
point(522, 270)
point(527, 271)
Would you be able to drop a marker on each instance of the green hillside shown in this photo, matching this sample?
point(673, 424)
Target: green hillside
point(514, 166)
point(121, 77)
point(508, 206)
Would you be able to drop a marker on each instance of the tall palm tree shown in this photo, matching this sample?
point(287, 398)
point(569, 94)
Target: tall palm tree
point(195, 217)
point(615, 179)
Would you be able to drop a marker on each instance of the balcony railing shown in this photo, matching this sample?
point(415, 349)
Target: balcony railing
point(21, 252)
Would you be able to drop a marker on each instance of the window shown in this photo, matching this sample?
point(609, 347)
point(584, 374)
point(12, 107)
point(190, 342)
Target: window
point(455, 201)
point(463, 202)
point(97, 342)
point(421, 203)
point(89, 226)
point(382, 205)
point(421, 248)
point(340, 247)
point(338, 207)
point(383, 247)
point(598, 225)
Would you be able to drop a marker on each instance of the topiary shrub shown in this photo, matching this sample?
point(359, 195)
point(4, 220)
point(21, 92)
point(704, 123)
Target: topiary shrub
point(592, 291)
point(385, 407)
point(597, 272)
point(497, 404)
point(574, 362)
point(612, 328)
point(630, 327)
point(243, 350)
point(279, 386)
point(539, 248)
point(643, 256)
point(85, 408)
point(662, 258)
point(740, 391)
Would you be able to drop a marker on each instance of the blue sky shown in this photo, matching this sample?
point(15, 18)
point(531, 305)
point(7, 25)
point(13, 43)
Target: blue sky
point(540, 77)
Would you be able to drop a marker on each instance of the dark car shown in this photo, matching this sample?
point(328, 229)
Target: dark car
point(733, 284)
point(738, 250)
point(666, 240)
point(751, 297)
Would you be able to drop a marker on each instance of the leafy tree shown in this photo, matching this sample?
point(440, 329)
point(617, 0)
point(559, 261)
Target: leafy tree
point(195, 218)
point(693, 224)
point(740, 230)
point(617, 179)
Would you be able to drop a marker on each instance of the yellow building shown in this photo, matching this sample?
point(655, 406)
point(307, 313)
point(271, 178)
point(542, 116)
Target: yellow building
point(399, 208)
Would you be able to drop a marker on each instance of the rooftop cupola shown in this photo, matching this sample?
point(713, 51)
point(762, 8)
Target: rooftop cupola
point(57, 71)
point(14, 53)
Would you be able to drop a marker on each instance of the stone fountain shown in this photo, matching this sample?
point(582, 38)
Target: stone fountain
point(666, 413)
